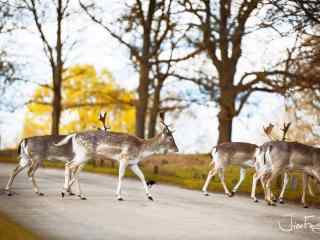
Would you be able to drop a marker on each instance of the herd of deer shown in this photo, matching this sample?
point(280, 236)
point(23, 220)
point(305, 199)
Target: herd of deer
point(269, 160)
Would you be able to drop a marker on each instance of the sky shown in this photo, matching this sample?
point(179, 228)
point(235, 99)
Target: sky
point(195, 127)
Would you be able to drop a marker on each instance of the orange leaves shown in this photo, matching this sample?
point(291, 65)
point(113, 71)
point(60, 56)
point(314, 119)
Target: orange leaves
point(85, 93)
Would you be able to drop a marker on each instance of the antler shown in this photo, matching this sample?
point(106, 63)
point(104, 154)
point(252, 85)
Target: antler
point(162, 116)
point(285, 129)
point(102, 118)
point(267, 130)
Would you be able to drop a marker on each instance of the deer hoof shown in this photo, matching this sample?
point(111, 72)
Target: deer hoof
point(82, 197)
point(9, 194)
point(271, 203)
point(305, 206)
point(281, 201)
point(120, 199)
point(40, 194)
point(71, 193)
point(255, 200)
point(230, 194)
point(62, 195)
point(205, 193)
point(150, 198)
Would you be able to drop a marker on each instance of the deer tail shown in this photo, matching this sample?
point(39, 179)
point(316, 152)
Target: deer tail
point(65, 140)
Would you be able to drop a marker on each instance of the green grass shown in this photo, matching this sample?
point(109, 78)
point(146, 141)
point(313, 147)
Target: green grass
point(190, 171)
point(12, 231)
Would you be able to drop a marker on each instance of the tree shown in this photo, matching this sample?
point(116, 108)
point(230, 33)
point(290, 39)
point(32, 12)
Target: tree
point(220, 27)
point(7, 68)
point(151, 33)
point(39, 13)
point(85, 94)
point(300, 13)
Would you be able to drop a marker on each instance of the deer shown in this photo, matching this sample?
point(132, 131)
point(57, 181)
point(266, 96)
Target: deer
point(125, 148)
point(260, 167)
point(280, 156)
point(232, 153)
point(264, 168)
point(32, 152)
point(238, 154)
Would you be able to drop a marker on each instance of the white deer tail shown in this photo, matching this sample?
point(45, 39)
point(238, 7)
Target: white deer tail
point(23, 149)
point(65, 140)
point(213, 152)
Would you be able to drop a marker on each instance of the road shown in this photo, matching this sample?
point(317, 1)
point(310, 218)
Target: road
point(175, 214)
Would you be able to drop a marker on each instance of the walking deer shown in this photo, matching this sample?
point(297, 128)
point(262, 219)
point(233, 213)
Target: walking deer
point(129, 150)
point(33, 151)
point(277, 157)
point(264, 170)
point(233, 153)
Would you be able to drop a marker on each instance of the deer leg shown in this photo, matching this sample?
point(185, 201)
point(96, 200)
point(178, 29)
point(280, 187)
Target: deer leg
point(311, 192)
point(221, 176)
point(304, 190)
point(242, 177)
point(69, 176)
point(15, 172)
point(67, 179)
point(122, 169)
point(32, 178)
point(72, 171)
point(284, 186)
point(211, 174)
point(255, 180)
point(76, 177)
point(137, 171)
point(273, 176)
point(69, 190)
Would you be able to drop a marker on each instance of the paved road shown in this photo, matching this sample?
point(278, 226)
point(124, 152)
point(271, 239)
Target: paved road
point(175, 214)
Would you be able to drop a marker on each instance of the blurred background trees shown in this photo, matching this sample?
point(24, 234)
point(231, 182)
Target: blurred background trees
point(85, 94)
point(166, 41)
point(151, 32)
point(7, 68)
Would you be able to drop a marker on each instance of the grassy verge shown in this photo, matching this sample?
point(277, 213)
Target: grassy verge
point(189, 171)
point(12, 231)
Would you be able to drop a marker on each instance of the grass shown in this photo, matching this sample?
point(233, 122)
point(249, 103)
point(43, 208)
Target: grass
point(12, 231)
point(189, 171)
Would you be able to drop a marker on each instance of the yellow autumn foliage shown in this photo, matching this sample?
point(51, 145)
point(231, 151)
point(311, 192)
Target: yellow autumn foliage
point(85, 94)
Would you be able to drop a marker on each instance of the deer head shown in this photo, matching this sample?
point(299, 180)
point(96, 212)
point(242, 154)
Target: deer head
point(167, 140)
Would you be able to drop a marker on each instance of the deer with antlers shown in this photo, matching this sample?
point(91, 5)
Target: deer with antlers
point(127, 149)
point(276, 157)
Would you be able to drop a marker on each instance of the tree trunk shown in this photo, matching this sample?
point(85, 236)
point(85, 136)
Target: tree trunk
point(57, 74)
point(154, 111)
point(225, 129)
point(56, 110)
point(142, 105)
point(227, 106)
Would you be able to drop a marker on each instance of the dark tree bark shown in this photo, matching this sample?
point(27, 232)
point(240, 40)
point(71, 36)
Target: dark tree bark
point(54, 52)
point(7, 66)
point(223, 26)
point(152, 22)
point(154, 111)
point(57, 74)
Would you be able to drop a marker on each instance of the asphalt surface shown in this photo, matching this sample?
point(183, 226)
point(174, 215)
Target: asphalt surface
point(175, 214)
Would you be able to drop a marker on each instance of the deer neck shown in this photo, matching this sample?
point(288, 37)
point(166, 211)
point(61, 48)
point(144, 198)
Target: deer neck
point(152, 146)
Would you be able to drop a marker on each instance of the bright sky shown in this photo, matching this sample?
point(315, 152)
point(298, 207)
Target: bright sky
point(196, 128)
